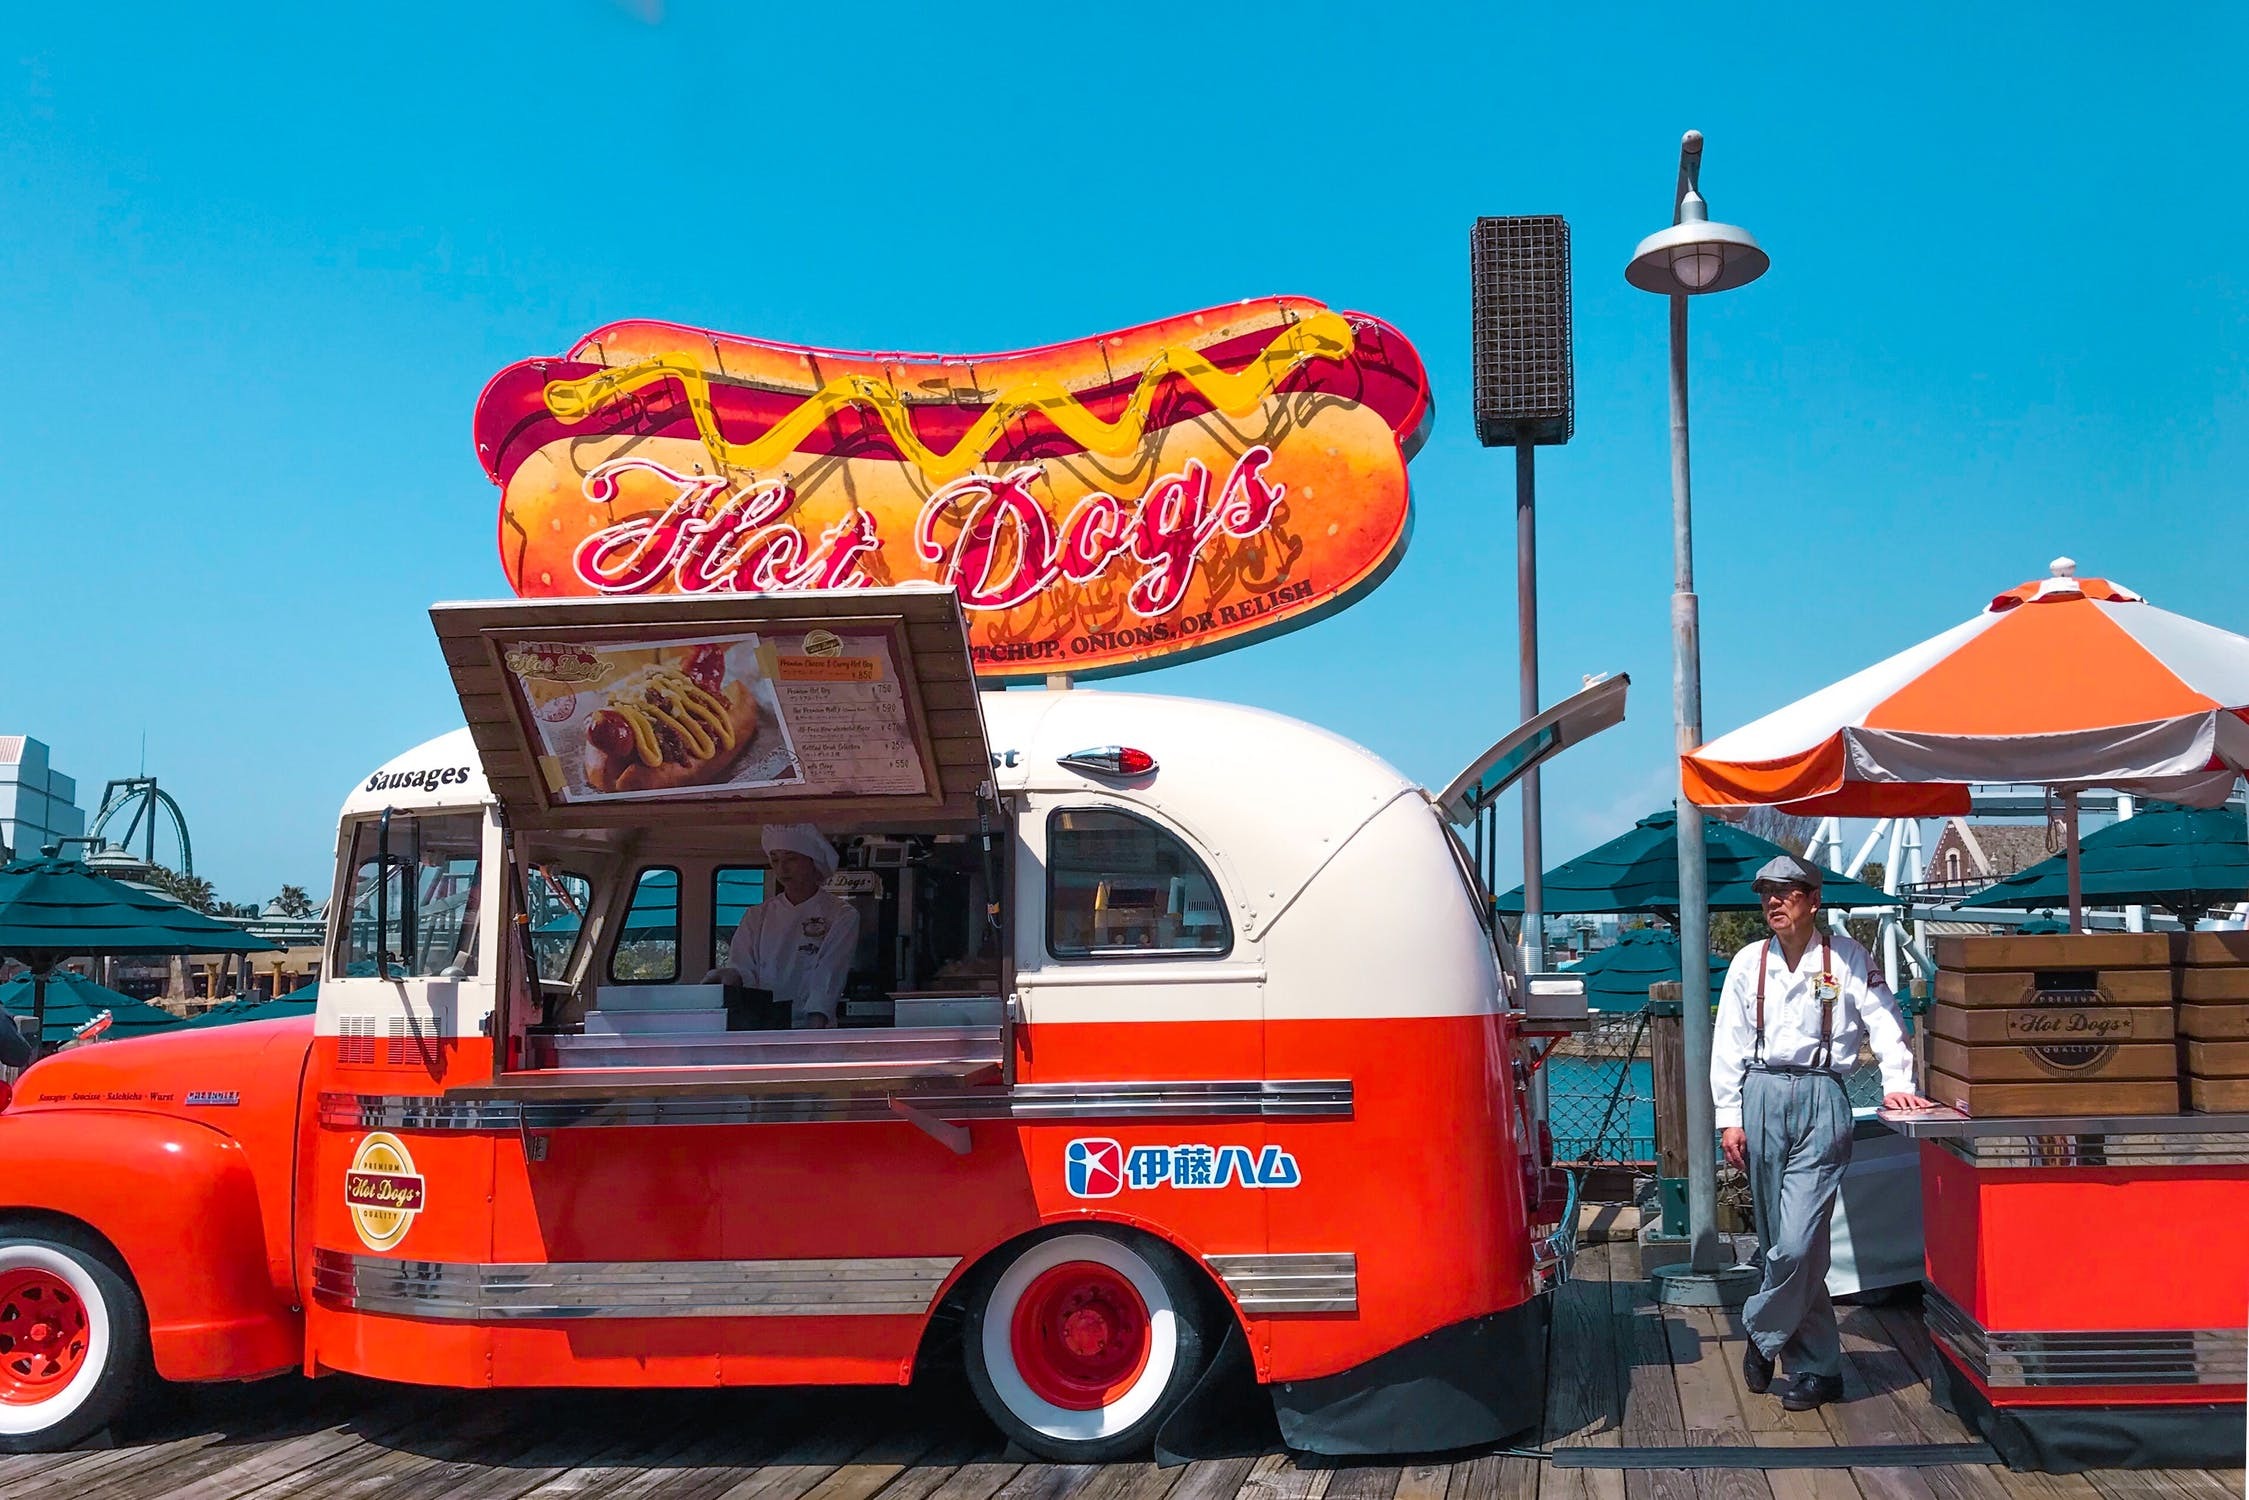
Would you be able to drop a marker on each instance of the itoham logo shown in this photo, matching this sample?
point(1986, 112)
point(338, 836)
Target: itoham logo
point(1094, 1168)
point(382, 1191)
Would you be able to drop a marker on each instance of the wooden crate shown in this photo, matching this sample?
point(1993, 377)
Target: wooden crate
point(2218, 1096)
point(2032, 1024)
point(2069, 1064)
point(2214, 949)
point(2014, 1100)
point(2217, 1059)
point(2215, 1023)
point(2211, 983)
point(2057, 950)
point(2014, 987)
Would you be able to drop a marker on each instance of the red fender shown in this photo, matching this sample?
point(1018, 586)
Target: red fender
point(178, 1202)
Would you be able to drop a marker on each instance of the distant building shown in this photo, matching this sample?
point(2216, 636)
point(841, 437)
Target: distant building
point(38, 804)
point(1976, 853)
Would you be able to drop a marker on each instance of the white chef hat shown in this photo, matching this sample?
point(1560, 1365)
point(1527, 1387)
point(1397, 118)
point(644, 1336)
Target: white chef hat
point(804, 839)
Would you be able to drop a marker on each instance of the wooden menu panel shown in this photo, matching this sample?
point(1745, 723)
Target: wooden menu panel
point(2033, 1024)
point(2081, 986)
point(2217, 1023)
point(2002, 1100)
point(2057, 950)
point(2065, 1065)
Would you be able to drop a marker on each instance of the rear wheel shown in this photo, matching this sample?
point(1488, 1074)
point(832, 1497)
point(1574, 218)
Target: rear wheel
point(1082, 1344)
point(73, 1341)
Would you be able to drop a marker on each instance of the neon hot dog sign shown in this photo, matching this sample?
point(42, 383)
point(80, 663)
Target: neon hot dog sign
point(1188, 485)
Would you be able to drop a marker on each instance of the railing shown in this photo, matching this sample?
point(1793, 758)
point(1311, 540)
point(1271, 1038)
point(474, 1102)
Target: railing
point(1601, 1088)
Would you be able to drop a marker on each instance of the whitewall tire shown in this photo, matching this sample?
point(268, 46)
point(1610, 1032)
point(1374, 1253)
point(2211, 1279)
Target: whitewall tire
point(73, 1340)
point(1081, 1344)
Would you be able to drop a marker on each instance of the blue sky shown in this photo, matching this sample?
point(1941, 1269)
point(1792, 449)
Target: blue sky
point(257, 263)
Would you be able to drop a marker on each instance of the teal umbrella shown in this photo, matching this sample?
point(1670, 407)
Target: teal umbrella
point(73, 1000)
point(296, 1003)
point(2187, 859)
point(1639, 872)
point(1617, 977)
point(53, 908)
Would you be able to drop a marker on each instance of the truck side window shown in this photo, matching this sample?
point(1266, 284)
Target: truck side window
point(734, 890)
point(558, 916)
point(428, 893)
point(1117, 884)
point(647, 949)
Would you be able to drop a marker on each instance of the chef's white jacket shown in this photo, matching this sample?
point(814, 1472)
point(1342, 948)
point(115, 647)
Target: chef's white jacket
point(802, 953)
point(1864, 1011)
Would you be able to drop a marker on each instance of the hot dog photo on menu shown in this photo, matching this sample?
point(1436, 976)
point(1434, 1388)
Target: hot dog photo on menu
point(653, 719)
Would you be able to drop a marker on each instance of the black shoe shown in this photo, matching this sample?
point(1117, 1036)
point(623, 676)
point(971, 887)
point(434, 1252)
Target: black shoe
point(1808, 1391)
point(1756, 1369)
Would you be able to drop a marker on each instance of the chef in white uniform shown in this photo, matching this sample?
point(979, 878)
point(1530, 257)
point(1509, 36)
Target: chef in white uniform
point(798, 941)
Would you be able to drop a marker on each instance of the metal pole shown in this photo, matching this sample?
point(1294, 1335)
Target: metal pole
point(2076, 869)
point(1694, 900)
point(1526, 637)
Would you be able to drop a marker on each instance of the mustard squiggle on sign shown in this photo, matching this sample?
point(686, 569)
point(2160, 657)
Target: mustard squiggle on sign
point(1321, 335)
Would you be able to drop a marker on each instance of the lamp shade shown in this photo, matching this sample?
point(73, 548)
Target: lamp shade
point(1697, 257)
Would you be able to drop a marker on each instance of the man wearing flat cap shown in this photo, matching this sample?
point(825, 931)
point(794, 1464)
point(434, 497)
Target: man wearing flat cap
point(1793, 1012)
point(797, 942)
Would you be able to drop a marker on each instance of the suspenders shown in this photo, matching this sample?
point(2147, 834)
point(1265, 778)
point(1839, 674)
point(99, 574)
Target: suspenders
point(1824, 1057)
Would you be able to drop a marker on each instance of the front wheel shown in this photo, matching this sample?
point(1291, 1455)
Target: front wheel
point(73, 1341)
point(1084, 1343)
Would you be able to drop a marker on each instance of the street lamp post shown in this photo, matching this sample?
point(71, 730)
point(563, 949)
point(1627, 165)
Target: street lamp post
point(1692, 258)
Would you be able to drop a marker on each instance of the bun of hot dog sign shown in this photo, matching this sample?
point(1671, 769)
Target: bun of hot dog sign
point(1177, 488)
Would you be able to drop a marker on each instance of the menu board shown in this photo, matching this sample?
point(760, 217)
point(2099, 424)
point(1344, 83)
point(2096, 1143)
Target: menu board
point(846, 710)
point(805, 714)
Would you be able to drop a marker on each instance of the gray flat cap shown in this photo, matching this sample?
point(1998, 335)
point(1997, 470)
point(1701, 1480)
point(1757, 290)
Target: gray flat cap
point(1787, 869)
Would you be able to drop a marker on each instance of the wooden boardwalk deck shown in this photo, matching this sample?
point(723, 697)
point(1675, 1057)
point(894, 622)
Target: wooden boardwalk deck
point(1625, 1372)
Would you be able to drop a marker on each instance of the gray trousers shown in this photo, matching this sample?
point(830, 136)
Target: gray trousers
point(1799, 1127)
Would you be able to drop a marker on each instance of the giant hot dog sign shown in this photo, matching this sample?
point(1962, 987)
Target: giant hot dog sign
point(1182, 487)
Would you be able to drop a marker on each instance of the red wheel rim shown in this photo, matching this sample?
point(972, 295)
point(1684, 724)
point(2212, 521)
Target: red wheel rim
point(1080, 1335)
point(43, 1335)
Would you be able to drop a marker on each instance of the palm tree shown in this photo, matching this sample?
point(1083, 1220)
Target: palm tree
point(293, 902)
point(188, 890)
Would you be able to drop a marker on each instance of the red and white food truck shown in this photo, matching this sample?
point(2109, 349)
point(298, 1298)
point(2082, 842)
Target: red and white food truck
point(1178, 1045)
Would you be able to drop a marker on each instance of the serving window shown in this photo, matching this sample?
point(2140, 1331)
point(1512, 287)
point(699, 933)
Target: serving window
point(651, 743)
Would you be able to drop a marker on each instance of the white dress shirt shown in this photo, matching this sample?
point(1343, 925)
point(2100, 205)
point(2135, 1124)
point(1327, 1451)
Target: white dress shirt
point(1864, 1010)
point(802, 953)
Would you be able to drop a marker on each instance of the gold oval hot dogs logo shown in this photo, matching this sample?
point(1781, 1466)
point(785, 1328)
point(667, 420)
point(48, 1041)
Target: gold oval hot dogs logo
point(382, 1190)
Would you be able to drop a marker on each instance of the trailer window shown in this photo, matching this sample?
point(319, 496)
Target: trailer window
point(412, 908)
point(734, 890)
point(647, 949)
point(558, 916)
point(1118, 884)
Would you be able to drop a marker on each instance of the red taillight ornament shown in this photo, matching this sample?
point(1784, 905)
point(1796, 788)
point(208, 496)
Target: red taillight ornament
point(1110, 760)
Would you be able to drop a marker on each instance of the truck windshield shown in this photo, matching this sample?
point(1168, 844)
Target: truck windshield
point(411, 906)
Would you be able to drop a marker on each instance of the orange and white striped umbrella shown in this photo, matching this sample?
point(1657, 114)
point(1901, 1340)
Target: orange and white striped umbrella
point(2070, 683)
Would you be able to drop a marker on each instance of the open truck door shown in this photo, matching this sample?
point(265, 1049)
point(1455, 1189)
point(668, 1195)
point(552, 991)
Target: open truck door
point(636, 746)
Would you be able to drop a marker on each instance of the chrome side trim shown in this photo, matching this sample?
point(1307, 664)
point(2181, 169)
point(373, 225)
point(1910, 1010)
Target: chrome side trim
point(630, 1289)
point(2185, 1356)
point(1304, 1282)
point(2114, 1150)
point(1256, 1098)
